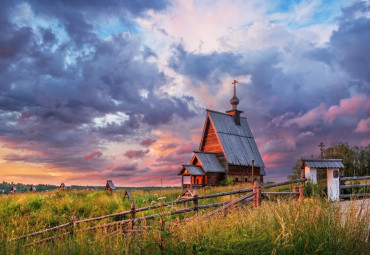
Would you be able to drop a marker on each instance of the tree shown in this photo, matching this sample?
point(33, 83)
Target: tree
point(296, 170)
point(356, 160)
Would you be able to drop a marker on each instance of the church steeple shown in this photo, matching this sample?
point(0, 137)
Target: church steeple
point(234, 106)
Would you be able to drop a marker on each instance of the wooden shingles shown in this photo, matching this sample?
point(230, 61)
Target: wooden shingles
point(209, 162)
point(237, 141)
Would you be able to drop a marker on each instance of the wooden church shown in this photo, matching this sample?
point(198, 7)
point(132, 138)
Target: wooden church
point(227, 149)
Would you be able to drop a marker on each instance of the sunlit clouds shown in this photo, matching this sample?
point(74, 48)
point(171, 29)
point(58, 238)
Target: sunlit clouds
point(117, 90)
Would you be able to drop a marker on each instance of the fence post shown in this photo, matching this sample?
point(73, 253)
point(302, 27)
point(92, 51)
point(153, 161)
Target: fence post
point(122, 229)
point(295, 196)
point(132, 223)
point(73, 219)
point(257, 194)
point(301, 192)
point(195, 196)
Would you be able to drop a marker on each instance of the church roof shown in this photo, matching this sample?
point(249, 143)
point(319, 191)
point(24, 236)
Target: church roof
point(193, 170)
point(209, 162)
point(237, 141)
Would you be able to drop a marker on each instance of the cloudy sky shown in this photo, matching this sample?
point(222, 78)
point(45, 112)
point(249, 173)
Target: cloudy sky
point(95, 90)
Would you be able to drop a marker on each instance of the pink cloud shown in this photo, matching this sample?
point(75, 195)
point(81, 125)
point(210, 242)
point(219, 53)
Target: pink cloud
point(185, 148)
point(348, 106)
point(136, 153)
point(363, 126)
point(353, 106)
point(279, 145)
point(147, 142)
point(92, 155)
point(312, 117)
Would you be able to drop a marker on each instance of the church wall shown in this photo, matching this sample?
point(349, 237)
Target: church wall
point(240, 173)
point(214, 178)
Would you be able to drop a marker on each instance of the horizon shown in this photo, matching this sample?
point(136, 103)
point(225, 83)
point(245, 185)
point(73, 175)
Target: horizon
point(92, 91)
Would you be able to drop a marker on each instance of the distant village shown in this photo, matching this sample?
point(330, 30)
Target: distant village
point(11, 188)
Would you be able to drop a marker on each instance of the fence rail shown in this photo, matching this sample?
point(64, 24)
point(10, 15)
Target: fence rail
point(351, 186)
point(353, 178)
point(255, 196)
point(358, 195)
point(343, 186)
point(233, 192)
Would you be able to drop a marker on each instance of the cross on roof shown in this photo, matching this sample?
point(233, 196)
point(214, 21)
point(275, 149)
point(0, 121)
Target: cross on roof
point(234, 82)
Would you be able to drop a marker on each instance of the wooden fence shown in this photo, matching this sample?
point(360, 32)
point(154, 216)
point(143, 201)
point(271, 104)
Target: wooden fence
point(343, 186)
point(254, 195)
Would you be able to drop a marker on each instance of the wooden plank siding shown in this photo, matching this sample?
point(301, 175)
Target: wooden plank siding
point(210, 141)
point(214, 179)
point(242, 172)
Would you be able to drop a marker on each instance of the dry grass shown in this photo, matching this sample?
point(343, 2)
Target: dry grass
point(314, 226)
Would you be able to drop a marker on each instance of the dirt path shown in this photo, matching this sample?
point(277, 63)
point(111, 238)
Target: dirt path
point(362, 206)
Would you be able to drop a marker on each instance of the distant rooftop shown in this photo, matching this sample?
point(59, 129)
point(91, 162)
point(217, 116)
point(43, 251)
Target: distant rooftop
point(323, 163)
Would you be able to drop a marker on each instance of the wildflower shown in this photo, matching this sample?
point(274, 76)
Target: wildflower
point(161, 198)
point(154, 202)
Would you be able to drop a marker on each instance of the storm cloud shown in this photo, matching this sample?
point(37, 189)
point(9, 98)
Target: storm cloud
point(66, 90)
point(88, 85)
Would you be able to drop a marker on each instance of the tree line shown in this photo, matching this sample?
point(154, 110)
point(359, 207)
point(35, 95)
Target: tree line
point(356, 159)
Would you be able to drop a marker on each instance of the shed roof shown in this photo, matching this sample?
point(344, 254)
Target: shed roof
point(13, 188)
point(237, 140)
point(193, 170)
point(110, 184)
point(33, 188)
point(323, 163)
point(209, 162)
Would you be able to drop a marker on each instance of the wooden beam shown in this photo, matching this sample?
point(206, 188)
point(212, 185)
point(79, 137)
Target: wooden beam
point(281, 193)
point(224, 207)
point(355, 195)
point(256, 194)
point(355, 178)
point(250, 189)
point(252, 170)
point(44, 231)
point(301, 192)
point(354, 186)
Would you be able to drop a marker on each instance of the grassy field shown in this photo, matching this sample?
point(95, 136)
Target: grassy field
point(314, 226)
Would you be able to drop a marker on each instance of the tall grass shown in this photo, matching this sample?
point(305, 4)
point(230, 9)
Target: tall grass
point(314, 226)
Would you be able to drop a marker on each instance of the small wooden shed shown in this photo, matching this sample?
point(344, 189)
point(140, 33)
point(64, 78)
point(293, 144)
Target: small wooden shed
point(13, 190)
point(110, 186)
point(32, 189)
point(62, 186)
point(327, 170)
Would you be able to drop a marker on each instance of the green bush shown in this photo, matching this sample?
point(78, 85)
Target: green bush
point(227, 181)
point(311, 189)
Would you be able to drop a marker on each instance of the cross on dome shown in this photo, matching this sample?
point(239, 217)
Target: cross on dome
point(234, 82)
point(234, 101)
